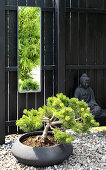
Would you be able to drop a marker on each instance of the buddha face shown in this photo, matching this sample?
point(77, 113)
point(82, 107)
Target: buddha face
point(85, 82)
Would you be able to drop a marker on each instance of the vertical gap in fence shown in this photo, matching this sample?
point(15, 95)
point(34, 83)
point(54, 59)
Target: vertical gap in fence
point(12, 63)
point(2, 72)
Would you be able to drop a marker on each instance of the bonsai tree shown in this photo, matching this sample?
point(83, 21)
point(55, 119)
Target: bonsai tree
point(59, 114)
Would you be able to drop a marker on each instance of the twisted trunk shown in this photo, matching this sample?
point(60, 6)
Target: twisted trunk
point(45, 132)
point(43, 138)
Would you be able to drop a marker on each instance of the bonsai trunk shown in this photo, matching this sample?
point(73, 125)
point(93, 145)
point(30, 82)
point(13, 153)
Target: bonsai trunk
point(50, 124)
point(45, 132)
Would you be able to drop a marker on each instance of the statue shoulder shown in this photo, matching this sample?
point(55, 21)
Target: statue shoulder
point(77, 92)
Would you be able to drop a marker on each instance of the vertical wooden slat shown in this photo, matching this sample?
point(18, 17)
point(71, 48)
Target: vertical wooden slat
point(39, 3)
point(104, 60)
point(68, 51)
point(104, 4)
point(82, 37)
point(104, 80)
point(31, 3)
point(82, 42)
point(82, 3)
point(21, 104)
point(74, 3)
point(6, 65)
point(48, 50)
point(21, 2)
point(55, 49)
point(74, 50)
point(90, 49)
point(91, 37)
point(2, 72)
point(60, 14)
point(13, 62)
point(99, 59)
point(95, 3)
point(30, 100)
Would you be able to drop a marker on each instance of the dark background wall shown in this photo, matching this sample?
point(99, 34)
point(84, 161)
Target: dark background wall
point(86, 46)
point(73, 41)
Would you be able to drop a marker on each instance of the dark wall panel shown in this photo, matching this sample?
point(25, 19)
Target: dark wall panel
point(48, 53)
point(87, 47)
point(13, 62)
point(6, 64)
point(21, 2)
point(95, 3)
point(2, 72)
point(73, 57)
point(67, 53)
point(69, 40)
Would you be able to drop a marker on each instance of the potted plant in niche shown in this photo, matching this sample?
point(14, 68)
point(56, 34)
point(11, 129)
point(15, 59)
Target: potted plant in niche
point(49, 148)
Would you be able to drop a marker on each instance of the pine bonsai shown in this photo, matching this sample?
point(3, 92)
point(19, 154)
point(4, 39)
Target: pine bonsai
point(59, 114)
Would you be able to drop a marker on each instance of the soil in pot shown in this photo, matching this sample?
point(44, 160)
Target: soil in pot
point(36, 141)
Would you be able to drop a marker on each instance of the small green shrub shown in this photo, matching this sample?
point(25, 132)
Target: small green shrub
point(99, 129)
point(60, 110)
point(28, 85)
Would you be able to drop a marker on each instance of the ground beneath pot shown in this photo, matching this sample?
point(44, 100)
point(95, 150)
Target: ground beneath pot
point(89, 153)
point(36, 141)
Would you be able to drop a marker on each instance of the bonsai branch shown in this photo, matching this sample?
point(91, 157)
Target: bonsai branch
point(56, 123)
point(78, 119)
point(45, 119)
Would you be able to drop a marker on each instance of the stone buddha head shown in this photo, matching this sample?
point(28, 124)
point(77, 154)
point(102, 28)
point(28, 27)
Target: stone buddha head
point(84, 81)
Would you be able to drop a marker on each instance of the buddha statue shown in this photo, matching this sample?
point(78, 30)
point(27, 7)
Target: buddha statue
point(84, 92)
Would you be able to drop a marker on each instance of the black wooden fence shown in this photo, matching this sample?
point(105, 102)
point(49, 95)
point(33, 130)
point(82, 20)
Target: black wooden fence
point(73, 41)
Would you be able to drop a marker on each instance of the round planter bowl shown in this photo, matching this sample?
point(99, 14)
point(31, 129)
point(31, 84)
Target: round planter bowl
point(40, 156)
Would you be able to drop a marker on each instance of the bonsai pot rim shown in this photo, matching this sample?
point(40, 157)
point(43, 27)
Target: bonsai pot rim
point(40, 156)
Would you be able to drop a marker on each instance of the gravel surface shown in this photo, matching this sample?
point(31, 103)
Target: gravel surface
point(89, 153)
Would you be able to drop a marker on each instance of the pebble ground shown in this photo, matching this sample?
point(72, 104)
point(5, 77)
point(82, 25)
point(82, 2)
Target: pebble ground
point(89, 153)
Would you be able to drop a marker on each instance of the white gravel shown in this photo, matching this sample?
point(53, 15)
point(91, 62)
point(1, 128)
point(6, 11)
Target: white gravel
point(89, 153)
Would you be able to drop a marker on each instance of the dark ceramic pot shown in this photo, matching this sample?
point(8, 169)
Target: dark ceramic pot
point(40, 156)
